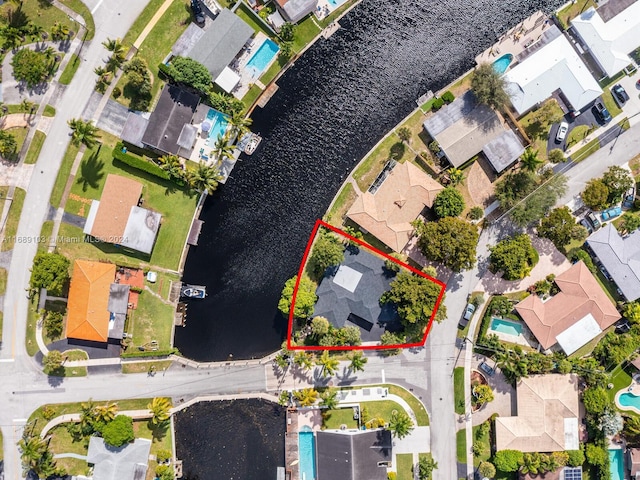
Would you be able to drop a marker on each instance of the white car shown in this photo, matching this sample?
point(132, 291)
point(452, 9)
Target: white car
point(562, 131)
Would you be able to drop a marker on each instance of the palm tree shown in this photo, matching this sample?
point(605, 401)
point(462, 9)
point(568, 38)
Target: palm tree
point(239, 123)
point(172, 165)
point(405, 134)
point(31, 451)
point(329, 365)
point(105, 413)
point(329, 399)
point(400, 424)
point(60, 31)
point(27, 106)
point(530, 161)
point(222, 149)
point(36, 30)
point(303, 360)
point(113, 63)
point(12, 38)
point(160, 410)
point(203, 178)
point(115, 46)
point(456, 176)
point(83, 132)
point(306, 397)
point(358, 361)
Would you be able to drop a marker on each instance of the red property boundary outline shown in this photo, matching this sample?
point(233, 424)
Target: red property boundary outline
point(320, 223)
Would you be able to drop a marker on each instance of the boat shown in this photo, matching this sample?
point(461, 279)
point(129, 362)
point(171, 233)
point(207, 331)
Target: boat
point(193, 291)
point(253, 144)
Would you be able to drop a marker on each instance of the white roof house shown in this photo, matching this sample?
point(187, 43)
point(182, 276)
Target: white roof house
point(610, 42)
point(555, 66)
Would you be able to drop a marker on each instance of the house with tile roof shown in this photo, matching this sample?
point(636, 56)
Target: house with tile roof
point(620, 256)
point(548, 418)
point(577, 314)
point(116, 218)
point(387, 209)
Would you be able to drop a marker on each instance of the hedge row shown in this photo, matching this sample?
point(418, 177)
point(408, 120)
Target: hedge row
point(138, 163)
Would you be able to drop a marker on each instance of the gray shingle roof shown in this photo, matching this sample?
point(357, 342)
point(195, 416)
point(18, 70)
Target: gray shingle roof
point(620, 256)
point(503, 150)
point(353, 455)
point(221, 42)
point(123, 463)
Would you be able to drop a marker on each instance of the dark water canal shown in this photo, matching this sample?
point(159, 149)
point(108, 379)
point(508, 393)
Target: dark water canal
point(337, 101)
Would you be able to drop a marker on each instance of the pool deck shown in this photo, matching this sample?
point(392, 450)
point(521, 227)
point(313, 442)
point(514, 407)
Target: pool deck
point(324, 9)
point(518, 39)
point(239, 65)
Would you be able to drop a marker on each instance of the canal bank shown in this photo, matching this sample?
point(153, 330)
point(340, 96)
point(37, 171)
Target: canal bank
point(332, 106)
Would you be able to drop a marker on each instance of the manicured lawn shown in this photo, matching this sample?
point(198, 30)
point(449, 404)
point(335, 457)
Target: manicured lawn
point(538, 128)
point(45, 233)
point(416, 405)
point(458, 389)
point(485, 440)
point(49, 111)
point(572, 10)
point(590, 148)
point(63, 175)
point(11, 225)
point(341, 416)
point(18, 108)
point(141, 22)
point(620, 379)
point(152, 320)
point(306, 30)
point(161, 440)
point(174, 203)
point(41, 13)
point(159, 41)
point(34, 149)
point(69, 70)
point(372, 165)
point(273, 70)
point(610, 103)
point(20, 134)
point(461, 446)
point(345, 199)
point(73, 355)
point(163, 284)
point(246, 14)
point(577, 134)
point(251, 96)
point(32, 318)
point(80, 8)
point(404, 466)
point(63, 442)
point(143, 367)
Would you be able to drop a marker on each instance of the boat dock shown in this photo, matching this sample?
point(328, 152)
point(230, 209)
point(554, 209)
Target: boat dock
point(267, 94)
point(332, 28)
point(194, 232)
point(180, 317)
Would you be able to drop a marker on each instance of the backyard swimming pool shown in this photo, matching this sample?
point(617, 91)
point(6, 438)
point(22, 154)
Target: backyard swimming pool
point(335, 4)
point(262, 57)
point(501, 64)
point(506, 327)
point(629, 400)
point(616, 464)
point(219, 123)
point(307, 453)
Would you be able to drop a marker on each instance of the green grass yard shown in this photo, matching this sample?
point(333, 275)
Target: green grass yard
point(151, 320)
point(379, 409)
point(49, 111)
point(367, 170)
point(36, 146)
point(485, 441)
point(42, 14)
point(461, 446)
point(458, 389)
point(538, 129)
point(141, 22)
point(80, 8)
point(11, 225)
point(343, 202)
point(620, 379)
point(20, 134)
point(246, 14)
point(63, 175)
point(251, 96)
point(572, 10)
point(306, 30)
point(70, 70)
point(404, 466)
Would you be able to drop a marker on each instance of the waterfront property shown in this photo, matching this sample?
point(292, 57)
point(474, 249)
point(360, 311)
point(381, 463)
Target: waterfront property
point(127, 462)
point(610, 34)
point(548, 416)
point(397, 197)
point(117, 217)
point(620, 257)
point(551, 66)
point(506, 327)
point(466, 128)
point(616, 464)
point(353, 454)
point(307, 454)
point(577, 314)
point(350, 296)
point(295, 10)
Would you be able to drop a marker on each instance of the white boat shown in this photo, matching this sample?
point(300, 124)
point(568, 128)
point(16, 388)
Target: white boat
point(253, 144)
point(193, 291)
point(212, 6)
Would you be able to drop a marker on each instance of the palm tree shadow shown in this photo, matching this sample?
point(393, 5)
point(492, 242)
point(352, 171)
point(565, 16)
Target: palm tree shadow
point(158, 431)
point(91, 172)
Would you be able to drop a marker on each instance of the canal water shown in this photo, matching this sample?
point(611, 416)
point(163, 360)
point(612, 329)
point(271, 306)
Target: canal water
point(337, 101)
point(231, 440)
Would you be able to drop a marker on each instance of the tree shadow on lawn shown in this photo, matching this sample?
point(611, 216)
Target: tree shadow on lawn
point(158, 431)
point(91, 172)
point(169, 185)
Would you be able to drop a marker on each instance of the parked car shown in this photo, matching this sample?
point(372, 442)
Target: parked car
point(620, 94)
point(611, 213)
point(198, 14)
point(562, 131)
point(627, 203)
point(623, 327)
point(601, 112)
point(585, 223)
point(468, 313)
point(594, 220)
point(604, 272)
point(574, 113)
point(484, 366)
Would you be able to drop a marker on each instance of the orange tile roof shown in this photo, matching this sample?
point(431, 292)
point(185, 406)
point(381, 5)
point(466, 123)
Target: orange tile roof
point(87, 314)
point(580, 295)
point(118, 196)
point(388, 213)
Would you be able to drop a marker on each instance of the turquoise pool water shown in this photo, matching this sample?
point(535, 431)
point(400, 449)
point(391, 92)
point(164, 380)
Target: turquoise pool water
point(629, 400)
point(307, 452)
point(501, 64)
point(261, 58)
point(219, 123)
point(505, 326)
point(335, 3)
point(616, 464)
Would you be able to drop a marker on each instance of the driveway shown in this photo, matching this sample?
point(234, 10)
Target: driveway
point(587, 117)
point(504, 401)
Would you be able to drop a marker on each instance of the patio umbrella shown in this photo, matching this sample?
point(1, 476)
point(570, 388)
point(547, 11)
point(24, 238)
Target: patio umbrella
point(206, 126)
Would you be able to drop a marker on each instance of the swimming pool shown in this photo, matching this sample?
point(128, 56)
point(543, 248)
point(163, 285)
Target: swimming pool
point(219, 123)
point(262, 57)
point(506, 327)
point(616, 464)
point(307, 453)
point(628, 399)
point(501, 64)
point(335, 4)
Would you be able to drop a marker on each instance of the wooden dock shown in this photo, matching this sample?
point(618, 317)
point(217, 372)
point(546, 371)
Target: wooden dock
point(194, 232)
point(180, 317)
point(291, 454)
point(267, 94)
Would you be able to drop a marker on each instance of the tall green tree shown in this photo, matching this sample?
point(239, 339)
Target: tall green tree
point(358, 361)
point(160, 408)
point(328, 251)
point(240, 123)
point(456, 176)
point(618, 180)
point(83, 132)
point(305, 299)
point(116, 47)
point(530, 161)
point(30, 67)
point(119, 431)
point(222, 149)
point(560, 227)
point(540, 202)
point(31, 451)
point(426, 466)
point(508, 460)
point(328, 365)
point(303, 360)
point(489, 87)
point(105, 413)
point(329, 399)
point(50, 271)
point(448, 203)
point(52, 362)
point(192, 73)
point(514, 256)
point(596, 194)
point(173, 166)
point(400, 424)
point(306, 397)
point(450, 240)
point(513, 187)
point(8, 144)
point(405, 134)
point(203, 178)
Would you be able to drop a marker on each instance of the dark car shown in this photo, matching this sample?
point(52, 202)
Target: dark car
point(585, 223)
point(594, 220)
point(197, 11)
point(620, 94)
point(601, 112)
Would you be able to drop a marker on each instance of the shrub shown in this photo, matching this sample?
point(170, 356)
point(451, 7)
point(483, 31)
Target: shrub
point(31, 67)
point(437, 104)
point(50, 271)
point(434, 146)
point(117, 92)
point(139, 163)
point(508, 460)
point(448, 203)
point(448, 97)
point(486, 470)
point(578, 254)
point(476, 213)
point(556, 156)
point(165, 455)
point(576, 457)
point(53, 323)
point(119, 431)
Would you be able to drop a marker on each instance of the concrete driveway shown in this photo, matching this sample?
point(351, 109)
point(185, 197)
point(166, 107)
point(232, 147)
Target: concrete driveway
point(587, 117)
point(504, 401)
point(632, 107)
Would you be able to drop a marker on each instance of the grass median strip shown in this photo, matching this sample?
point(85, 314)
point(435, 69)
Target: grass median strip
point(458, 390)
point(69, 70)
point(11, 225)
point(36, 146)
